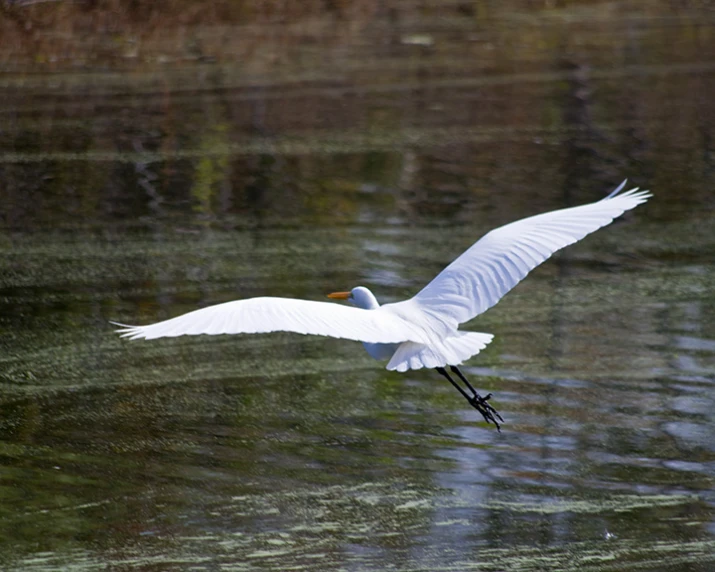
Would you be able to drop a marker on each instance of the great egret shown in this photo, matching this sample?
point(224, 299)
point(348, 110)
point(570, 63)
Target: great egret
point(422, 331)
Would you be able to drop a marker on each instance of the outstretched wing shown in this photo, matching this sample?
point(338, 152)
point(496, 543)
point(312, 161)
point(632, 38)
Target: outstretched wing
point(262, 315)
point(492, 266)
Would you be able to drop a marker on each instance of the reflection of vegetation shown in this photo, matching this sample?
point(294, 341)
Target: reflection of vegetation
point(211, 169)
point(411, 125)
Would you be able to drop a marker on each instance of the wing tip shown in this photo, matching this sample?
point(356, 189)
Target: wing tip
point(636, 195)
point(127, 331)
point(617, 190)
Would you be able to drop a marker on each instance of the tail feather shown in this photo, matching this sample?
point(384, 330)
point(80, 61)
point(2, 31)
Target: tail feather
point(452, 351)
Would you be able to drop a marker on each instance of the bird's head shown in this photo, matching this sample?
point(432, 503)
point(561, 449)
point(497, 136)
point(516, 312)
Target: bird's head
point(358, 296)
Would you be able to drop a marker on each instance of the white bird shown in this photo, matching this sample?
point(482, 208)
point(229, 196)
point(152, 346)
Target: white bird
point(423, 330)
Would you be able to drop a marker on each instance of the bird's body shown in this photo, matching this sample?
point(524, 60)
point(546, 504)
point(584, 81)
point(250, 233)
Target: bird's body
point(422, 331)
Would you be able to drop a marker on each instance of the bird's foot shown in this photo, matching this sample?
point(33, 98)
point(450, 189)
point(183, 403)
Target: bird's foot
point(482, 405)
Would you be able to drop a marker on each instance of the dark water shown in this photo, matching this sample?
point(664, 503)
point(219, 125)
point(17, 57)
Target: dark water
point(373, 158)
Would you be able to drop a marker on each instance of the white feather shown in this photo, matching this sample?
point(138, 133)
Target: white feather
point(263, 315)
point(492, 266)
point(421, 331)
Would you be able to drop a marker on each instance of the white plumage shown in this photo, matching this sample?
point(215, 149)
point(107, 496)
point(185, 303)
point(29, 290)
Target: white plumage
point(423, 330)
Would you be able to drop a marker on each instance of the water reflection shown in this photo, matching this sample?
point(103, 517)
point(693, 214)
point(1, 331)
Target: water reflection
point(138, 196)
point(316, 448)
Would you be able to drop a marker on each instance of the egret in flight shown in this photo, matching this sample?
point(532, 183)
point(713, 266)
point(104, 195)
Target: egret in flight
point(424, 330)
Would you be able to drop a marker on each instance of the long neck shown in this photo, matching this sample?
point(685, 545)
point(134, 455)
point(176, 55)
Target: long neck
point(371, 303)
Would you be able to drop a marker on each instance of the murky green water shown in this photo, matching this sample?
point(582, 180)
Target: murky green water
point(136, 195)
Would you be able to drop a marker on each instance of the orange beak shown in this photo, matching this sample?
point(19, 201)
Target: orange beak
point(339, 295)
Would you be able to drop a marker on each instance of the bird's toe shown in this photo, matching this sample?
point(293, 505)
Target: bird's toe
point(488, 412)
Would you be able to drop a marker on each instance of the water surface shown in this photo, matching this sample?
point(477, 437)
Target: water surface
point(139, 193)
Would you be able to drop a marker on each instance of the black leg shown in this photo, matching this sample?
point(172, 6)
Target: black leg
point(475, 400)
point(455, 369)
point(443, 372)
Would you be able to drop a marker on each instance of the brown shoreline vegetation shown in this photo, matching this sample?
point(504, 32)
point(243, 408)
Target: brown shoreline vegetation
point(54, 34)
point(116, 33)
